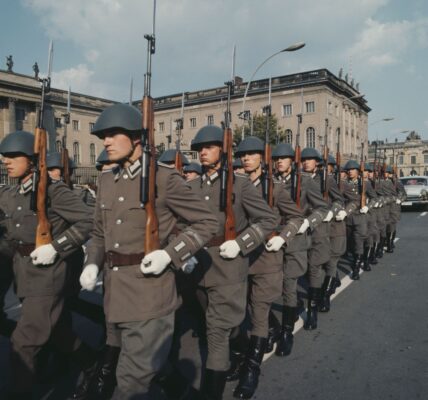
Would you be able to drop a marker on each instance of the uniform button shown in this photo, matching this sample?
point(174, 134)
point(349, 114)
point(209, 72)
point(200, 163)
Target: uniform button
point(121, 198)
point(118, 222)
point(19, 208)
point(20, 242)
point(207, 197)
point(102, 205)
point(115, 269)
point(18, 225)
point(116, 245)
point(125, 176)
point(209, 183)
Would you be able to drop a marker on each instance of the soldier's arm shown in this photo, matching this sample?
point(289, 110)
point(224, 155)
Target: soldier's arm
point(262, 219)
point(317, 203)
point(338, 202)
point(371, 195)
point(188, 206)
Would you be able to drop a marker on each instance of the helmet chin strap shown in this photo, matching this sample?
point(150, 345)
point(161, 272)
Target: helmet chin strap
point(130, 153)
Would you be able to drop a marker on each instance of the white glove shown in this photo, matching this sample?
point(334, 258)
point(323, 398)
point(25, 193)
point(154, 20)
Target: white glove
point(229, 249)
point(341, 215)
point(304, 227)
point(328, 217)
point(364, 210)
point(275, 243)
point(376, 205)
point(44, 255)
point(398, 201)
point(155, 262)
point(88, 277)
point(189, 265)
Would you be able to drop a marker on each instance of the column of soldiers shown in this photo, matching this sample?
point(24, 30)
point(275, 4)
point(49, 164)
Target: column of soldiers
point(278, 242)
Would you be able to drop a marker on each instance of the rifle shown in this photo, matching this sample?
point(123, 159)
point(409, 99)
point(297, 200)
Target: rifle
point(325, 170)
point(383, 171)
point(375, 171)
point(362, 180)
point(64, 152)
point(180, 124)
point(226, 173)
point(267, 173)
point(38, 200)
point(148, 156)
point(338, 161)
point(297, 176)
point(394, 169)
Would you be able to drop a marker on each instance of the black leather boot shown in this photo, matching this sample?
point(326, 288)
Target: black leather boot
point(389, 242)
point(273, 333)
point(238, 347)
point(336, 283)
point(356, 267)
point(379, 249)
point(249, 376)
point(312, 313)
point(393, 239)
point(372, 259)
point(213, 385)
point(366, 259)
point(326, 292)
point(173, 384)
point(285, 342)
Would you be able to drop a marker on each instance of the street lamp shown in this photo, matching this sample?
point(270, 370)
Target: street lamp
point(293, 47)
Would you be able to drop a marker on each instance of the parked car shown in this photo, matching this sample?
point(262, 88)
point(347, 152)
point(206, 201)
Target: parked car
point(416, 188)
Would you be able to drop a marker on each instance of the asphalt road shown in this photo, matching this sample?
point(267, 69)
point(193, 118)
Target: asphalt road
point(372, 345)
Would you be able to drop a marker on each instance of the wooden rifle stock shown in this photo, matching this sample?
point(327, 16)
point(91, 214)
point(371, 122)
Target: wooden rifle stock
point(178, 162)
point(338, 168)
point(297, 175)
point(151, 240)
point(66, 167)
point(268, 181)
point(43, 231)
point(362, 180)
point(227, 176)
point(325, 170)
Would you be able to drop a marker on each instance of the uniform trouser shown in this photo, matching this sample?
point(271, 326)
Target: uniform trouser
point(295, 265)
point(372, 229)
point(337, 249)
point(357, 226)
point(381, 222)
point(263, 290)
point(225, 311)
point(6, 279)
point(394, 217)
point(318, 255)
point(145, 346)
point(43, 319)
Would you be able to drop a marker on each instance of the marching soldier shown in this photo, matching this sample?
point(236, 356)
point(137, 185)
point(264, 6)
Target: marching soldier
point(140, 293)
point(223, 266)
point(192, 171)
point(103, 164)
point(42, 275)
point(266, 271)
point(168, 157)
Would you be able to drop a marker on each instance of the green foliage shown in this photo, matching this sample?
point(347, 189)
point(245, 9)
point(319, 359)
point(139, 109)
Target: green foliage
point(259, 129)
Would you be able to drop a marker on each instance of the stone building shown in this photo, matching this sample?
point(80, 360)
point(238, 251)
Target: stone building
point(410, 156)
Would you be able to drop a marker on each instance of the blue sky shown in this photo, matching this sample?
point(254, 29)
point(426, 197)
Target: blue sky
point(99, 45)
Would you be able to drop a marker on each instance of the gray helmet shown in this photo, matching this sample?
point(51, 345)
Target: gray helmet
point(168, 157)
point(331, 160)
point(250, 144)
point(18, 142)
point(237, 163)
point(283, 150)
point(54, 160)
point(310, 152)
point(102, 160)
point(119, 116)
point(389, 169)
point(321, 163)
point(368, 167)
point(351, 164)
point(207, 134)
point(193, 167)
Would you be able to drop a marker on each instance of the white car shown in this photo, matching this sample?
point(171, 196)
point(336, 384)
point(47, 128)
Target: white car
point(416, 188)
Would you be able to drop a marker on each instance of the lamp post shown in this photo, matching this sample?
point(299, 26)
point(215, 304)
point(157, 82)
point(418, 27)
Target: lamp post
point(293, 47)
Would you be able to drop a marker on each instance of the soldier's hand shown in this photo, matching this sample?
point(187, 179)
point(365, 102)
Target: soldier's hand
point(88, 277)
point(328, 217)
point(304, 227)
point(376, 205)
point(398, 201)
point(275, 243)
point(44, 255)
point(155, 262)
point(229, 249)
point(189, 265)
point(364, 210)
point(341, 215)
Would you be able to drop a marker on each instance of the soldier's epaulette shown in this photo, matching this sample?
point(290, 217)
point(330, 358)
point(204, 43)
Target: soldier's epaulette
point(170, 166)
point(241, 175)
point(276, 180)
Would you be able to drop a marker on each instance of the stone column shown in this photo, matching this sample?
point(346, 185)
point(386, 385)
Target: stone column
point(12, 115)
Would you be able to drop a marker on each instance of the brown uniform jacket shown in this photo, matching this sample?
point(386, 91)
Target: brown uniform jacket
point(119, 230)
point(71, 222)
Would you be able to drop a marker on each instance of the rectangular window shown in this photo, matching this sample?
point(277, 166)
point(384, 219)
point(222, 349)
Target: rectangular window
point(413, 160)
point(425, 158)
point(161, 126)
point(76, 125)
point(210, 120)
point(91, 126)
point(287, 110)
point(21, 115)
point(58, 123)
point(400, 160)
point(193, 122)
point(391, 160)
point(310, 106)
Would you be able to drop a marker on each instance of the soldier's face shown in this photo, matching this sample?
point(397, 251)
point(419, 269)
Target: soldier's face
point(17, 165)
point(209, 154)
point(283, 164)
point(371, 175)
point(330, 168)
point(251, 161)
point(343, 174)
point(54, 173)
point(309, 164)
point(353, 173)
point(119, 146)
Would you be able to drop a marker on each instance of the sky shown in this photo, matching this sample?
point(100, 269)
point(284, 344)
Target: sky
point(99, 45)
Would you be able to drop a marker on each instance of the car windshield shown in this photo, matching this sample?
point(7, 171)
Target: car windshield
point(413, 181)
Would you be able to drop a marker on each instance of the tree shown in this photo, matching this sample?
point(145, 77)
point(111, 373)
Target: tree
point(259, 129)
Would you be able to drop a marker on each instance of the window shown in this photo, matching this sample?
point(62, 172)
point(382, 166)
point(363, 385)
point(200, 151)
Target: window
point(21, 115)
point(92, 153)
point(425, 158)
point(287, 110)
point(288, 137)
point(91, 126)
point(76, 125)
point(413, 160)
point(310, 137)
point(58, 123)
point(193, 122)
point(391, 160)
point(58, 146)
point(161, 126)
point(310, 106)
point(76, 152)
point(210, 120)
point(400, 160)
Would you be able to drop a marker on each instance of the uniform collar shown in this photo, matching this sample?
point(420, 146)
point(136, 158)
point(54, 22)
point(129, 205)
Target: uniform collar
point(26, 187)
point(211, 178)
point(130, 172)
point(256, 182)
